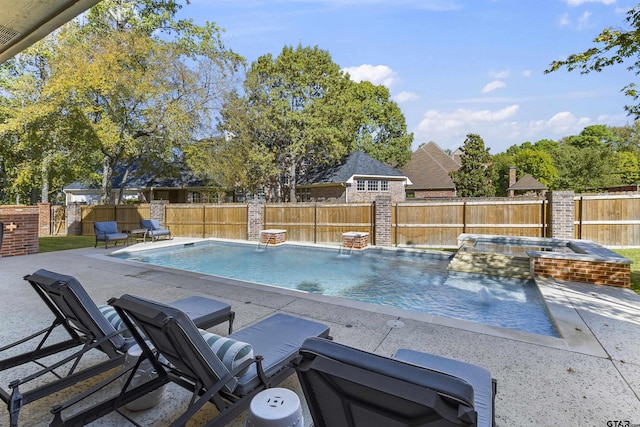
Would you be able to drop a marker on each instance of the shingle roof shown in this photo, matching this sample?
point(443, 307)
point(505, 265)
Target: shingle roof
point(144, 180)
point(429, 168)
point(355, 164)
point(527, 182)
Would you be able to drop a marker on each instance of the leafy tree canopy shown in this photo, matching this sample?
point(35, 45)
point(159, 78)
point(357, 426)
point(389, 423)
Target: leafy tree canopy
point(300, 111)
point(136, 82)
point(475, 176)
point(612, 46)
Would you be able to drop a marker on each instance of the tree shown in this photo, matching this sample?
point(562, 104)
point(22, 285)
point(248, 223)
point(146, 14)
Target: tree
point(380, 127)
point(303, 112)
point(141, 83)
point(475, 176)
point(37, 129)
point(613, 46)
point(583, 167)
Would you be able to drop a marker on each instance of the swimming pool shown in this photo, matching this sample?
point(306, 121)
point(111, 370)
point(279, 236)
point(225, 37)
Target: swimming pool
point(408, 280)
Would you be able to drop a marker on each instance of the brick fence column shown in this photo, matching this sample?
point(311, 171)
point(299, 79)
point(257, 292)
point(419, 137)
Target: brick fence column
point(20, 230)
point(74, 219)
point(562, 214)
point(254, 221)
point(157, 210)
point(44, 219)
point(383, 221)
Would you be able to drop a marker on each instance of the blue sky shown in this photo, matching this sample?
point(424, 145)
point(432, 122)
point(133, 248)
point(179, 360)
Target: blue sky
point(453, 66)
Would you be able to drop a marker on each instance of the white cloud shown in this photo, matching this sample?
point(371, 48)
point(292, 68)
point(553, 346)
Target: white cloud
point(580, 2)
point(526, 73)
point(564, 20)
point(561, 124)
point(498, 128)
point(490, 87)
point(583, 21)
point(499, 75)
point(376, 74)
point(449, 129)
point(405, 96)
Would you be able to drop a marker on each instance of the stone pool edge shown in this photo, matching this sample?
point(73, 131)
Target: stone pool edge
point(576, 335)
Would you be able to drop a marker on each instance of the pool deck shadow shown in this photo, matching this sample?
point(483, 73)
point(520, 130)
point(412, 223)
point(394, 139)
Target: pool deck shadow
point(588, 377)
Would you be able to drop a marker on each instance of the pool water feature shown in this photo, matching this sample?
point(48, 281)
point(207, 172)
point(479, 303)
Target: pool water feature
point(410, 280)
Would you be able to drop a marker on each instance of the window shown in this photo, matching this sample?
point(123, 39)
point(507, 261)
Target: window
point(372, 185)
point(384, 185)
point(360, 185)
point(303, 194)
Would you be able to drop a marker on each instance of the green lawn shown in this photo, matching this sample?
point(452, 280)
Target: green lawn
point(61, 243)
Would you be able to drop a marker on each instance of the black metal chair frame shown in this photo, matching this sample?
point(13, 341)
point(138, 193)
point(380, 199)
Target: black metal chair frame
point(186, 361)
point(83, 328)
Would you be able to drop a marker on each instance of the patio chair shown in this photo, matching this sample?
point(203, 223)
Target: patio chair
point(226, 372)
point(154, 229)
point(344, 386)
point(107, 231)
point(87, 325)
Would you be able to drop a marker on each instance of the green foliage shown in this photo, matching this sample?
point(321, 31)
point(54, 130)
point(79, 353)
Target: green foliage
point(475, 176)
point(126, 86)
point(612, 47)
point(299, 111)
point(381, 130)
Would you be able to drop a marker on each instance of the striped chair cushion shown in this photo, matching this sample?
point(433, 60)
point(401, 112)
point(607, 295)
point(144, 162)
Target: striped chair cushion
point(231, 352)
point(112, 317)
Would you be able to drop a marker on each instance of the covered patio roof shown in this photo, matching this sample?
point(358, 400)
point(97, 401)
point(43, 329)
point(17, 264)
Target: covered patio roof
point(22, 23)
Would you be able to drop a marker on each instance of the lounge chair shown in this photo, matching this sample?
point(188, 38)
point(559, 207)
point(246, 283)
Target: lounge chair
point(107, 231)
point(344, 386)
point(260, 357)
point(154, 229)
point(87, 325)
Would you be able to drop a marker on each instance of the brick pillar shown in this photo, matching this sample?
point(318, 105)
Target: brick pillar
point(74, 219)
point(20, 233)
point(383, 221)
point(44, 219)
point(254, 223)
point(562, 214)
point(157, 208)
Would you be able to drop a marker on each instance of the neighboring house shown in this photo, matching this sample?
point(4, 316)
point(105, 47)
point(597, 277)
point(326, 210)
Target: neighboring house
point(185, 189)
point(525, 185)
point(430, 172)
point(358, 178)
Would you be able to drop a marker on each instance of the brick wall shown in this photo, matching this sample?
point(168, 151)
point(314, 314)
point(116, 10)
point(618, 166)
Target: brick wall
point(599, 273)
point(383, 221)
point(254, 222)
point(562, 214)
point(21, 229)
point(396, 193)
point(44, 220)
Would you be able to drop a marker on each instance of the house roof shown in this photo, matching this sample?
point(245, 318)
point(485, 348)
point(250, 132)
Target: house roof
point(527, 182)
point(143, 181)
point(357, 164)
point(429, 168)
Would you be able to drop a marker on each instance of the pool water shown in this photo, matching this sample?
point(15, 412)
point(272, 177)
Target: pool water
point(402, 279)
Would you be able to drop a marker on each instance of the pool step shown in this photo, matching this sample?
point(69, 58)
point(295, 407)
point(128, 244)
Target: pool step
point(491, 263)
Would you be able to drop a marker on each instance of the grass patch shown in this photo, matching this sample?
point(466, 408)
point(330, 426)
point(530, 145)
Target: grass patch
point(61, 243)
point(633, 255)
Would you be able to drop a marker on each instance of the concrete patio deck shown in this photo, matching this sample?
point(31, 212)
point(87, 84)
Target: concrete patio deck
point(588, 378)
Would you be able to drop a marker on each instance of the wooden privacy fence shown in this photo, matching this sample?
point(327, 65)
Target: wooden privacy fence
point(127, 216)
point(608, 219)
point(438, 223)
point(227, 221)
point(319, 222)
